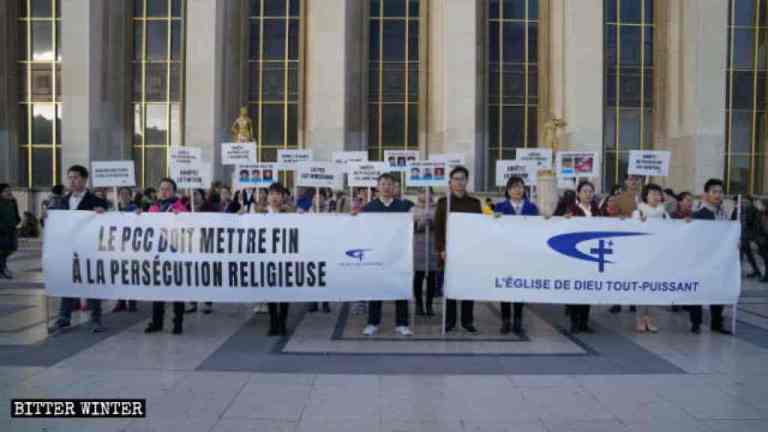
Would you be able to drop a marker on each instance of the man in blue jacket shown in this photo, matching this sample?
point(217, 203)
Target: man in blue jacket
point(387, 203)
point(515, 204)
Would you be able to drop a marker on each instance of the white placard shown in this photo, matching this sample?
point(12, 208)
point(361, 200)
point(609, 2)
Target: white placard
point(343, 158)
point(289, 159)
point(527, 170)
point(540, 156)
point(238, 153)
point(577, 164)
point(397, 160)
point(452, 160)
point(196, 175)
point(318, 174)
point(427, 174)
point(272, 258)
point(592, 260)
point(649, 163)
point(255, 175)
point(365, 174)
point(187, 157)
point(113, 173)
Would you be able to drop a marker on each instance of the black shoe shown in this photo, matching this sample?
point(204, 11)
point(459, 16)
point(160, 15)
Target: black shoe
point(58, 326)
point(7, 274)
point(208, 311)
point(313, 307)
point(517, 326)
point(152, 328)
point(97, 327)
point(273, 331)
point(575, 328)
point(696, 328)
point(420, 309)
point(675, 308)
point(765, 277)
point(633, 308)
point(449, 328)
point(283, 330)
point(178, 329)
point(722, 330)
point(120, 307)
point(430, 312)
point(615, 309)
point(586, 329)
point(326, 308)
point(469, 328)
point(506, 327)
point(193, 309)
point(753, 275)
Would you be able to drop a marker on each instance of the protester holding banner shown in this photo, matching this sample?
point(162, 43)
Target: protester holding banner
point(585, 206)
point(712, 209)
point(684, 206)
point(515, 204)
point(79, 198)
point(424, 259)
point(461, 202)
point(125, 204)
point(167, 202)
point(278, 312)
point(651, 207)
point(318, 206)
point(750, 229)
point(565, 203)
point(9, 220)
point(387, 203)
point(630, 198)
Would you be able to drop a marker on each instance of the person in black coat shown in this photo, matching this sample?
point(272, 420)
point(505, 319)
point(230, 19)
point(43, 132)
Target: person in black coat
point(79, 198)
point(711, 210)
point(9, 220)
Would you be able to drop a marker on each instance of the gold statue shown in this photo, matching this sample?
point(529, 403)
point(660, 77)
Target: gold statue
point(550, 133)
point(242, 128)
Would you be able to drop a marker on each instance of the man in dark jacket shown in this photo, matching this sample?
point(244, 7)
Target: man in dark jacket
point(79, 198)
point(386, 202)
point(711, 209)
point(9, 220)
point(461, 202)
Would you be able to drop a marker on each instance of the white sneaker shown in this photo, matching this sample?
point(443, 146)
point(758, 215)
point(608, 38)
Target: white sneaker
point(403, 331)
point(370, 330)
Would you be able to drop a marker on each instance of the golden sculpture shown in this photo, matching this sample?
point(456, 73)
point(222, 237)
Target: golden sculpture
point(551, 141)
point(242, 128)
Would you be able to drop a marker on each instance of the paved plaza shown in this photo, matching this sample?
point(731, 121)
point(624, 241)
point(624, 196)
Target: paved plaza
point(225, 374)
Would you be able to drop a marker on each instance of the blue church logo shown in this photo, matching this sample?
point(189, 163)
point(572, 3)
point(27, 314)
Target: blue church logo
point(567, 244)
point(358, 254)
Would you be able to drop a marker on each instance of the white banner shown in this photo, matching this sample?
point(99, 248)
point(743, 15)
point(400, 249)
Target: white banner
point(228, 258)
point(255, 175)
point(426, 174)
point(365, 174)
point(592, 260)
point(113, 173)
point(318, 174)
point(397, 160)
point(289, 159)
point(527, 170)
point(238, 153)
point(196, 175)
point(649, 163)
point(577, 164)
point(542, 157)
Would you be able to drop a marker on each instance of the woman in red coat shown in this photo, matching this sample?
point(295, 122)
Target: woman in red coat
point(585, 206)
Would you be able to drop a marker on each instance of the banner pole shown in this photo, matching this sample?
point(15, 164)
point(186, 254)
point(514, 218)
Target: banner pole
point(117, 200)
point(192, 200)
point(426, 249)
point(447, 216)
point(317, 200)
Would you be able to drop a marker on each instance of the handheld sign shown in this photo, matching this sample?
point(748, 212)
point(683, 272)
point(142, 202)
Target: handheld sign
point(343, 158)
point(649, 163)
point(451, 160)
point(527, 170)
point(238, 153)
point(289, 159)
point(577, 164)
point(426, 174)
point(365, 174)
point(318, 175)
point(185, 157)
point(255, 175)
point(197, 175)
point(113, 173)
point(541, 157)
point(398, 160)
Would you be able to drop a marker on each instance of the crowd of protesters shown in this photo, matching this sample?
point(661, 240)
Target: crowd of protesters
point(636, 199)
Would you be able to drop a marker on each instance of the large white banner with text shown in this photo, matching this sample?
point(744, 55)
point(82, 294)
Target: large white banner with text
point(592, 260)
point(228, 258)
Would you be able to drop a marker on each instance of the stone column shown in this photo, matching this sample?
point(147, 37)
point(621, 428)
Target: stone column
point(205, 107)
point(694, 75)
point(96, 81)
point(576, 72)
point(455, 84)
